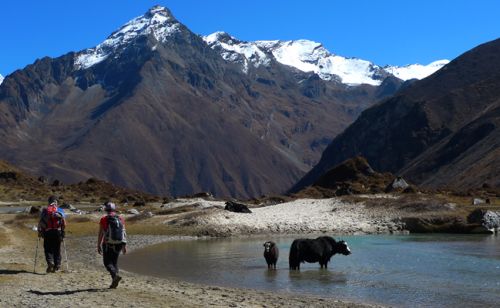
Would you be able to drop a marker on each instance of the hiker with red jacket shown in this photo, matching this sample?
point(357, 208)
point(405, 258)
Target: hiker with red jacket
point(51, 227)
point(111, 241)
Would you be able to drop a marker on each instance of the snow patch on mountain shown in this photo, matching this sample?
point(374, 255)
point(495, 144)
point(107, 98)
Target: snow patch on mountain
point(416, 71)
point(234, 50)
point(158, 21)
point(310, 56)
point(1, 78)
point(304, 55)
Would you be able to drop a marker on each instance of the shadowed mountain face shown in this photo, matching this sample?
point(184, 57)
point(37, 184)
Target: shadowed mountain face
point(155, 108)
point(442, 131)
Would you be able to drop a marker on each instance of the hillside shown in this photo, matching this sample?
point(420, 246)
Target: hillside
point(440, 132)
point(16, 185)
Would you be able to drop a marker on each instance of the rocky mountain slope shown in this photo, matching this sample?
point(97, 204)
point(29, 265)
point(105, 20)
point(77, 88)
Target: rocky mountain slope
point(17, 185)
point(442, 131)
point(156, 108)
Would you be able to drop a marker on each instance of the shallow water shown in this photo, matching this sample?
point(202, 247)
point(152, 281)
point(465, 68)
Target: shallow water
point(406, 271)
point(12, 209)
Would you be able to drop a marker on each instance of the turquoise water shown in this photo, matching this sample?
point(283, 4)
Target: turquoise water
point(403, 271)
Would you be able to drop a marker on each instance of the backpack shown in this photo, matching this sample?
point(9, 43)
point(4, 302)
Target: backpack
point(52, 219)
point(115, 234)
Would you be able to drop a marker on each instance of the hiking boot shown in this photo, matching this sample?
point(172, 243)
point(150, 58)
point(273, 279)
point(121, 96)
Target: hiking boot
point(50, 268)
point(115, 282)
point(57, 268)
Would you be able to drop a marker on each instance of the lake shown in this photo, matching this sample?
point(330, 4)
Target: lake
point(396, 270)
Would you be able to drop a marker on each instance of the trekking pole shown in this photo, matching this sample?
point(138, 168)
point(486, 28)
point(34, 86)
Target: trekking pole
point(66, 256)
point(36, 255)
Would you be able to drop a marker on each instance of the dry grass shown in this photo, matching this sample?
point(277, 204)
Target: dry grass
point(77, 219)
point(85, 226)
point(82, 228)
point(4, 238)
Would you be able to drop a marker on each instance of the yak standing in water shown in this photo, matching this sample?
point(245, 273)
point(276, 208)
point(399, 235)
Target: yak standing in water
point(315, 250)
point(271, 253)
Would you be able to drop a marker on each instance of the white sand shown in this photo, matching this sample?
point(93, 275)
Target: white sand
point(300, 216)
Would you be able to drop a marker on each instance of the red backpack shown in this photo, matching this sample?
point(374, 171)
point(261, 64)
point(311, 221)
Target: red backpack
point(52, 218)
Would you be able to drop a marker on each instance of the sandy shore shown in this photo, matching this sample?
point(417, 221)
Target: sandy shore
point(334, 216)
point(86, 283)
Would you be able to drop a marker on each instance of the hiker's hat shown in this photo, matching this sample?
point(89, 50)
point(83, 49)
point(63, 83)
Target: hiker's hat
point(109, 207)
point(52, 200)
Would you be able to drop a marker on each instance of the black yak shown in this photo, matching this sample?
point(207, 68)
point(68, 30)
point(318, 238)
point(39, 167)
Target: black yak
point(271, 253)
point(315, 250)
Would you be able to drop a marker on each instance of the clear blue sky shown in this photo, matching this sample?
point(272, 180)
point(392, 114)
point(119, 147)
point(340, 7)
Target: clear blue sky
point(396, 32)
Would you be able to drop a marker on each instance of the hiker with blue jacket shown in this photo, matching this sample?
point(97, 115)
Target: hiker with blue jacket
point(51, 228)
point(111, 241)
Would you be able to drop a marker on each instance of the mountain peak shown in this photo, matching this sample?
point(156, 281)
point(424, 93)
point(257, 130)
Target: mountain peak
point(158, 9)
point(1, 78)
point(220, 36)
point(157, 21)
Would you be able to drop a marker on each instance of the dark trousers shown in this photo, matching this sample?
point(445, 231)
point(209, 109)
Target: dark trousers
point(110, 255)
point(52, 247)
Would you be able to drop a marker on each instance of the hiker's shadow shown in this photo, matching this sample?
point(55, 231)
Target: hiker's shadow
point(11, 272)
point(15, 272)
point(66, 292)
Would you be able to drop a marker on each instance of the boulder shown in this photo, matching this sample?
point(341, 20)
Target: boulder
point(477, 201)
point(32, 210)
point(43, 179)
point(236, 207)
point(203, 195)
point(398, 184)
point(133, 211)
point(143, 215)
point(489, 221)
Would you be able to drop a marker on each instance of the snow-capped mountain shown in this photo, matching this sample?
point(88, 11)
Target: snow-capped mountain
point(1, 78)
point(304, 55)
point(416, 71)
point(203, 115)
point(309, 56)
point(158, 21)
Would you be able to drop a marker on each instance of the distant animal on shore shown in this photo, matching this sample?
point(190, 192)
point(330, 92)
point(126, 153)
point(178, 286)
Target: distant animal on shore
point(271, 254)
point(319, 250)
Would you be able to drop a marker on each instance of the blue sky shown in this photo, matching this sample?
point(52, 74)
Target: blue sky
point(396, 32)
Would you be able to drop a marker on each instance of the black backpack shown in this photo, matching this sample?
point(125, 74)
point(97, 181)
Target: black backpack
point(116, 231)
